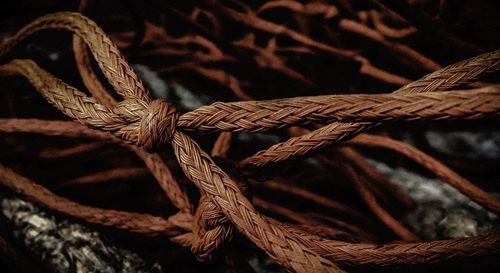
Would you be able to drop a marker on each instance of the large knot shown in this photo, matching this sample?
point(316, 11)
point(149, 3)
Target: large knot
point(157, 126)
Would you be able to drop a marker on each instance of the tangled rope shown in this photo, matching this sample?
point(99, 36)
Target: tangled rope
point(144, 123)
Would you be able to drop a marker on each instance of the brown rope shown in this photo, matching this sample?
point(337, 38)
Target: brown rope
point(258, 116)
point(293, 254)
point(69, 129)
point(307, 195)
point(444, 79)
point(433, 165)
point(99, 177)
point(361, 186)
point(381, 180)
point(356, 254)
point(154, 162)
point(212, 230)
point(250, 18)
point(79, 106)
point(150, 124)
point(109, 59)
point(68, 152)
point(135, 222)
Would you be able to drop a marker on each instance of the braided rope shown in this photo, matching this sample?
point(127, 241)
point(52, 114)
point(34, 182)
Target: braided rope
point(109, 59)
point(30, 67)
point(444, 79)
point(290, 253)
point(176, 194)
point(154, 162)
point(457, 74)
point(89, 78)
point(402, 253)
point(86, 110)
point(258, 116)
point(349, 253)
point(255, 116)
point(149, 124)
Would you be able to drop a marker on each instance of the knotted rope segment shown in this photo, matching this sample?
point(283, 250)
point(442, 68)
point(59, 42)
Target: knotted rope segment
point(149, 124)
point(212, 230)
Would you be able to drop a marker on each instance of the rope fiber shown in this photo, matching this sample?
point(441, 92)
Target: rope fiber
point(147, 125)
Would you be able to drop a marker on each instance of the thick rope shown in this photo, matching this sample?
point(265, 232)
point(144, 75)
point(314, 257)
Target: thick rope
point(291, 254)
point(447, 78)
point(258, 116)
point(151, 130)
point(354, 254)
point(113, 65)
point(150, 124)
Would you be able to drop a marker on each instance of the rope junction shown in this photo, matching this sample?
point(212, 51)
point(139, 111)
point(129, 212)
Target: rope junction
point(141, 124)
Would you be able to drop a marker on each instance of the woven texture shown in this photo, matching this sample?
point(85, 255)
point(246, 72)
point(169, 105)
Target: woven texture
point(151, 125)
point(445, 79)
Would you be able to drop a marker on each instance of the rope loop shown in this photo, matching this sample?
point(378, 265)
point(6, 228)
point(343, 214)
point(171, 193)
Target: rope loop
point(212, 231)
point(212, 228)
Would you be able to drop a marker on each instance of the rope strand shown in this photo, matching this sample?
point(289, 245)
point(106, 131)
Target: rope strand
point(151, 124)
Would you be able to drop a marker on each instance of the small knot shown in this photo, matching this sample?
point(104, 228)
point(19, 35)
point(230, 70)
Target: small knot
point(212, 228)
point(212, 231)
point(157, 126)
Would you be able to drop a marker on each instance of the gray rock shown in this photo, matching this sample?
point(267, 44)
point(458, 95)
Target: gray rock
point(473, 145)
point(465, 222)
point(184, 98)
point(68, 247)
point(154, 83)
point(442, 211)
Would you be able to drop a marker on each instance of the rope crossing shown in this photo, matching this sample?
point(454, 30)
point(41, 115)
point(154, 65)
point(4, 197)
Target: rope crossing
point(138, 121)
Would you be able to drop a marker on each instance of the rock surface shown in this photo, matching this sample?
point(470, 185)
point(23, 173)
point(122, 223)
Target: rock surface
point(66, 246)
point(442, 211)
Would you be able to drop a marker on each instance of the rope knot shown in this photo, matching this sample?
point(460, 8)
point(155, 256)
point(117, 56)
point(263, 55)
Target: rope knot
point(157, 126)
point(212, 230)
